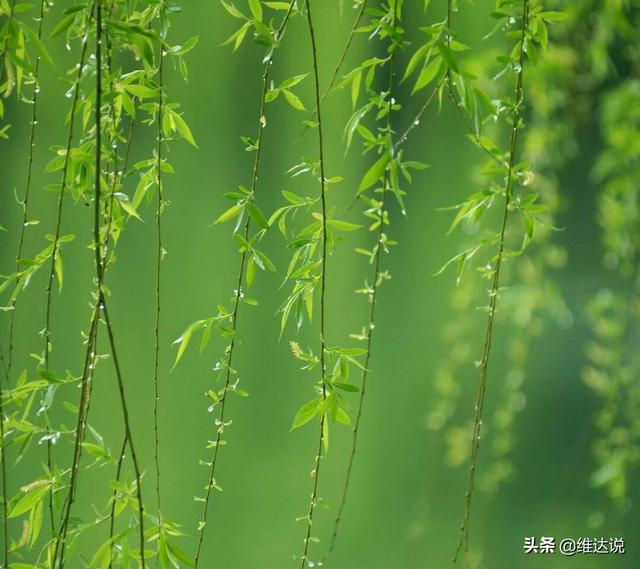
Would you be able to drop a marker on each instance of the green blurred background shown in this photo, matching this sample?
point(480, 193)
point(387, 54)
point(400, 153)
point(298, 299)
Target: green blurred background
point(406, 500)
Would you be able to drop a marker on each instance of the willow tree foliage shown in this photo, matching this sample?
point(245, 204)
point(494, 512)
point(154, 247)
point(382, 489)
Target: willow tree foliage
point(513, 96)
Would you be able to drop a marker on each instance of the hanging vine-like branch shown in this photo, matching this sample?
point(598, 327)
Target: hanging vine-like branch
point(495, 283)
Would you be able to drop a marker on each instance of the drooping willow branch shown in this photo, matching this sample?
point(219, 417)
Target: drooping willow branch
point(345, 51)
point(343, 56)
point(127, 428)
point(56, 239)
point(63, 187)
point(102, 301)
point(7, 366)
point(112, 513)
point(159, 255)
point(494, 291)
point(27, 191)
point(105, 262)
point(5, 503)
point(100, 307)
point(60, 541)
point(220, 422)
point(380, 248)
point(323, 279)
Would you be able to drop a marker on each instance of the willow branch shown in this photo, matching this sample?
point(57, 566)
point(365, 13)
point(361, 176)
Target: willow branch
point(127, 427)
point(238, 290)
point(63, 187)
point(373, 300)
point(116, 179)
point(493, 296)
point(27, 192)
point(60, 542)
point(5, 502)
point(3, 465)
point(343, 54)
point(323, 279)
point(55, 245)
point(159, 206)
point(112, 513)
point(416, 119)
point(102, 305)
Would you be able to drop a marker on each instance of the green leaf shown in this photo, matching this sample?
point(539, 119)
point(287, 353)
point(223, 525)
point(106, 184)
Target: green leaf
point(102, 557)
point(278, 5)
point(30, 499)
point(343, 225)
point(98, 451)
point(256, 9)
point(179, 554)
point(428, 74)
point(38, 44)
point(307, 412)
point(293, 100)
point(233, 10)
point(374, 173)
point(59, 270)
point(183, 129)
point(256, 214)
point(347, 387)
point(292, 81)
point(63, 25)
point(186, 338)
point(230, 214)
point(238, 36)
point(141, 91)
point(415, 59)
point(553, 16)
point(448, 57)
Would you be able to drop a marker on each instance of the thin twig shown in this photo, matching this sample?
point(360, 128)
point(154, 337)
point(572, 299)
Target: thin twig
point(493, 297)
point(117, 175)
point(102, 304)
point(63, 187)
point(5, 503)
point(375, 286)
point(238, 290)
point(416, 119)
point(127, 427)
point(156, 357)
point(3, 467)
point(60, 542)
point(343, 55)
point(323, 280)
point(341, 60)
point(56, 239)
point(27, 191)
point(112, 514)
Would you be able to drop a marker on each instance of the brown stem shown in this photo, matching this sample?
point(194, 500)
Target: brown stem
point(159, 206)
point(373, 299)
point(493, 298)
point(323, 280)
point(238, 292)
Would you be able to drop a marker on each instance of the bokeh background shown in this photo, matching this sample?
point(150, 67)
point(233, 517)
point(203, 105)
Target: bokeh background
point(406, 497)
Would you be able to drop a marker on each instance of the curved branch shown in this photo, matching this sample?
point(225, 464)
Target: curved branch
point(463, 539)
point(323, 280)
point(238, 292)
point(373, 298)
